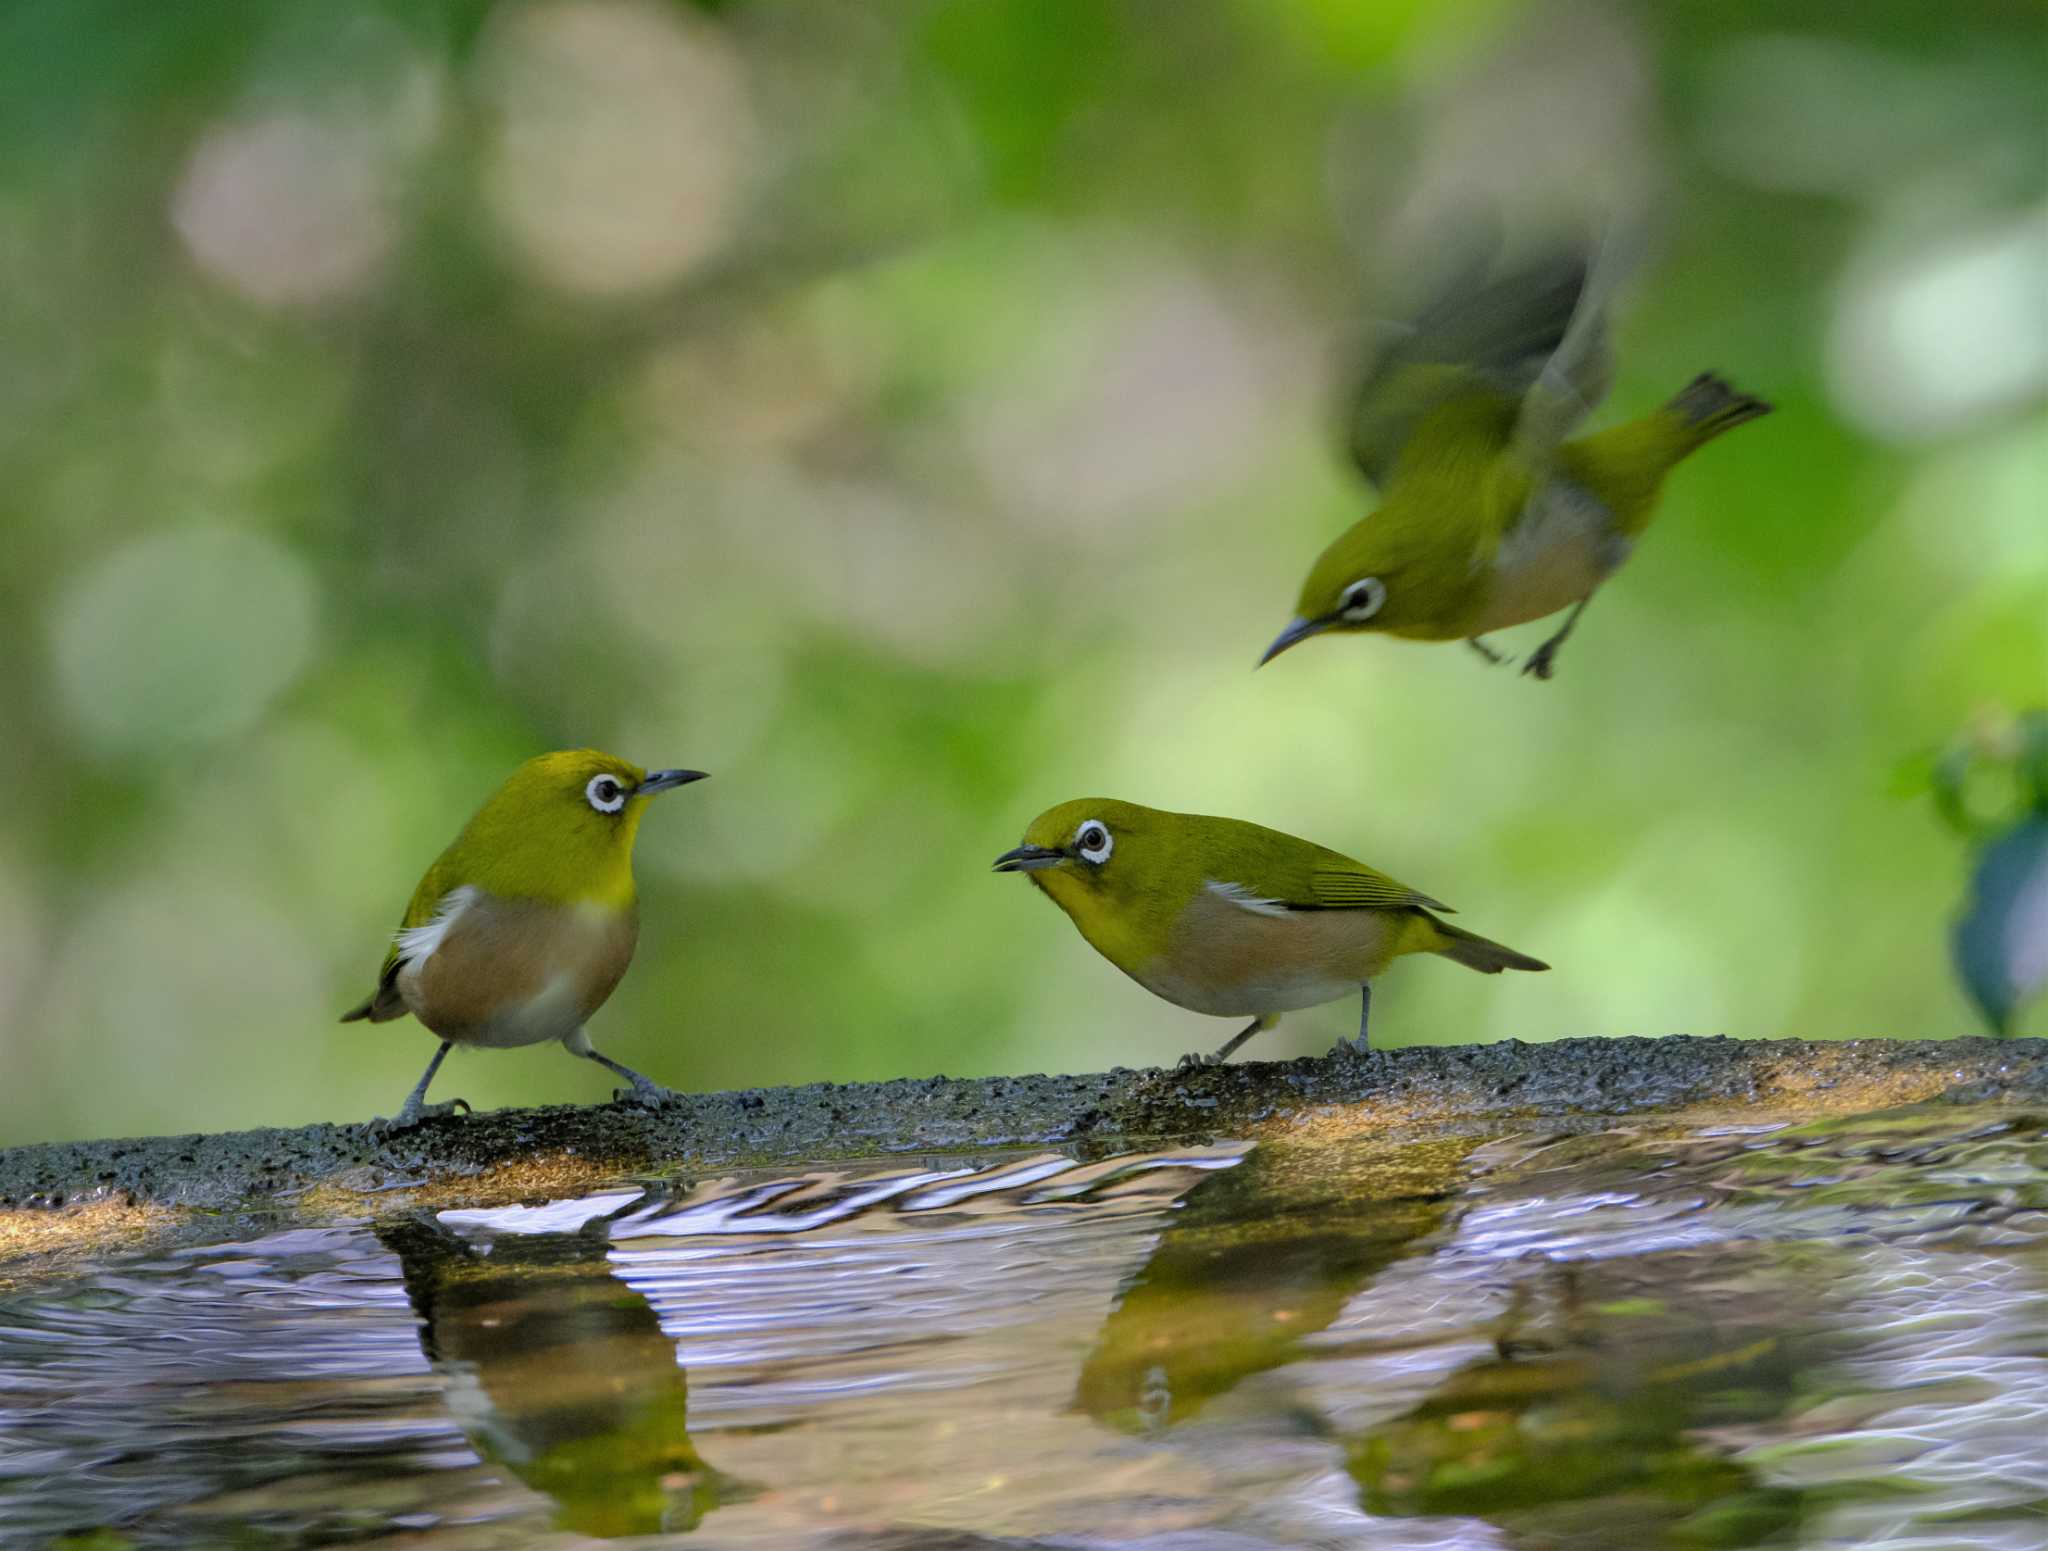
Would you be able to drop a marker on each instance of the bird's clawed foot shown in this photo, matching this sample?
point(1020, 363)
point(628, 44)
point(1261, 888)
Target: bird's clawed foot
point(412, 1114)
point(1194, 1061)
point(1492, 656)
point(1543, 661)
point(647, 1094)
point(645, 1091)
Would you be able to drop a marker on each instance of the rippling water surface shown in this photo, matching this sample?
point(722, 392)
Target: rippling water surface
point(1824, 1335)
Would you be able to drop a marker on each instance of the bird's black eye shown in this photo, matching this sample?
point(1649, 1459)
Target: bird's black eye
point(605, 794)
point(1363, 599)
point(1093, 842)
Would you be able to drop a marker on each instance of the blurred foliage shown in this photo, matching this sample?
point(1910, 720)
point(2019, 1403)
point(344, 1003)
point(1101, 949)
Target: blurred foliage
point(1991, 785)
point(917, 413)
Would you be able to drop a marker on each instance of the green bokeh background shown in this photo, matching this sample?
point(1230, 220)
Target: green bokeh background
point(917, 413)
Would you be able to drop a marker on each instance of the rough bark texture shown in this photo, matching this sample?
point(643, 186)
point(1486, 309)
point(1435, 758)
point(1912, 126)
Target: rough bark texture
point(1568, 1082)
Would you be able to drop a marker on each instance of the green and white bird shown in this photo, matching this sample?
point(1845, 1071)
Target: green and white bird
point(526, 923)
point(1490, 517)
point(1233, 919)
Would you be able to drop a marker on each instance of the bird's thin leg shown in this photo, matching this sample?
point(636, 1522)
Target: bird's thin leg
point(1362, 1043)
point(1229, 1047)
point(1492, 656)
point(416, 1108)
point(644, 1091)
point(1543, 661)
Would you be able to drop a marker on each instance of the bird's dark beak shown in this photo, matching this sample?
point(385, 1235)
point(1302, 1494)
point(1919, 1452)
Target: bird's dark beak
point(1029, 859)
point(662, 780)
point(1297, 631)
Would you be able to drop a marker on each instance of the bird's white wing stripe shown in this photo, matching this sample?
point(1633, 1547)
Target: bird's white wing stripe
point(416, 944)
point(1245, 899)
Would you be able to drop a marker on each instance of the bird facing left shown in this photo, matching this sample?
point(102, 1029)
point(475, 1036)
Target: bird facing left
point(526, 923)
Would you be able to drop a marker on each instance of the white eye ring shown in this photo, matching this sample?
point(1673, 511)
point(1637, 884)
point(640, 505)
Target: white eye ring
point(606, 793)
point(1363, 599)
point(1094, 841)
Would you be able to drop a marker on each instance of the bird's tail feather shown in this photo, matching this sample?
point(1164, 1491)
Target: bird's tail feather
point(1708, 405)
point(381, 1006)
point(1480, 953)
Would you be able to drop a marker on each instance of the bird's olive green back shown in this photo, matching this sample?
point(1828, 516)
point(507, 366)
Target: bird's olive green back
point(1624, 467)
point(1128, 906)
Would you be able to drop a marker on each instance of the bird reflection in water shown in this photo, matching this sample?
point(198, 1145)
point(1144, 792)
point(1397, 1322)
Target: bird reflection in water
point(1258, 1258)
point(560, 1372)
point(1610, 1413)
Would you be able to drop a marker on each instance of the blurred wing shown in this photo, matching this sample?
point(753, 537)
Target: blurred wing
point(1580, 370)
point(1523, 347)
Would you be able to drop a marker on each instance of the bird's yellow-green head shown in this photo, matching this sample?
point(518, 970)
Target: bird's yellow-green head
point(560, 829)
point(1390, 572)
point(1123, 872)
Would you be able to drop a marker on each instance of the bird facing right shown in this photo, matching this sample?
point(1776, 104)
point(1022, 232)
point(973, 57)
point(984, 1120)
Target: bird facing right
point(526, 922)
point(1490, 517)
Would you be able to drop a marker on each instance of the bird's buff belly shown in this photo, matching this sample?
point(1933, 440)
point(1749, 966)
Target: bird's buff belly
point(1564, 546)
point(1232, 962)
point(519, 972)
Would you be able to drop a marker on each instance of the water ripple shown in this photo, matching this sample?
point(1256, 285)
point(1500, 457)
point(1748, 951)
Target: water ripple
point(1828, 1335)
